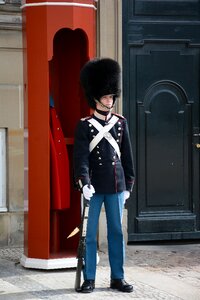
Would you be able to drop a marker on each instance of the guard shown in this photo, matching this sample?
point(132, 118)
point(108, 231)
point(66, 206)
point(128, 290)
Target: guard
point(103, 168)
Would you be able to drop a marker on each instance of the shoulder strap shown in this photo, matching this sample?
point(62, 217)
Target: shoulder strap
point(104, 133)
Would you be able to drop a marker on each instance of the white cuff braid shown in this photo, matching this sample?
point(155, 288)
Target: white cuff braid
point(88, 191)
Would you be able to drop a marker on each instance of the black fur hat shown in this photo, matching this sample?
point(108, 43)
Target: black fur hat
point(100, 77)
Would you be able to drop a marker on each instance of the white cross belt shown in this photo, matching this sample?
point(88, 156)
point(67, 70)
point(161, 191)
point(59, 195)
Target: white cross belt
point(104, 133)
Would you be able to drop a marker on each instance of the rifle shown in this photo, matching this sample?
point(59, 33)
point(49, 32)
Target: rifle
point(81, 246)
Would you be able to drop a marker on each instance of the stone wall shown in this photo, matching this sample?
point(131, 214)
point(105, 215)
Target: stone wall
point(109, 44)
point(11, 119)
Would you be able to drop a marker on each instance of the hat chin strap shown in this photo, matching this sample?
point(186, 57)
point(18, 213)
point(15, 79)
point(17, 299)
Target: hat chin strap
point(104, 106)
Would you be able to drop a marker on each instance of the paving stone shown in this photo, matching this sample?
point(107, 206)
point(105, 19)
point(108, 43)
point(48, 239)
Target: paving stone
point(149, 269)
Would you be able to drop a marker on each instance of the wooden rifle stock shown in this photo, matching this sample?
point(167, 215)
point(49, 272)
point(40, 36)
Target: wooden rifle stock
point(81, 245)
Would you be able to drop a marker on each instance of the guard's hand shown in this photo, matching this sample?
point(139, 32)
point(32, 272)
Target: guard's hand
point(88, 191)
point(126, 195)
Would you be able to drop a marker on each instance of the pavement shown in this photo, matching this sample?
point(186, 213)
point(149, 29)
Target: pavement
point(157, 271)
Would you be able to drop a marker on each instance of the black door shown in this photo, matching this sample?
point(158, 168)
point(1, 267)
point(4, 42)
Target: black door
point(161, 78)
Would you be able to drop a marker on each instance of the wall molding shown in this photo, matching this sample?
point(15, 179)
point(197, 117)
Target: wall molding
point(75, 4)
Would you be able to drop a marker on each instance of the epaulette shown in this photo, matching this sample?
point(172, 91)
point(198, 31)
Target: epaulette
point(119, 116)
point(86, 118)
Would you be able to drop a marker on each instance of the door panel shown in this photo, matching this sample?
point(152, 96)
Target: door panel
point(161, 103)
point(164, 8)
point(164, 120)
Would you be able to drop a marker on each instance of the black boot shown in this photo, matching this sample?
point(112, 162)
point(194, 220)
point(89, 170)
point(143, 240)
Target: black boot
point(88, 286)
point(121, 285)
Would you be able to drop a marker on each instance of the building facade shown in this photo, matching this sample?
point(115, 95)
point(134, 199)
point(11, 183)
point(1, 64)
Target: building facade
point(160, 43)
point(11, 124)
point(109, 19)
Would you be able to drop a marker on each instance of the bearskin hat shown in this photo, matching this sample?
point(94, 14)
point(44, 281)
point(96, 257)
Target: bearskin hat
point(100, 77)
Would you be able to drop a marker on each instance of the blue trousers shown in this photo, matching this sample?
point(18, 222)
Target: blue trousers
point(113, 204)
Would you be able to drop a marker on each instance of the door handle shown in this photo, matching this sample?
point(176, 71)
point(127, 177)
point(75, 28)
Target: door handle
point(196, 134)
point(197, 145)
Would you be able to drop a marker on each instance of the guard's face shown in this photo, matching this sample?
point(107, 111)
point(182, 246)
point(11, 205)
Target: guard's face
point(107, 100)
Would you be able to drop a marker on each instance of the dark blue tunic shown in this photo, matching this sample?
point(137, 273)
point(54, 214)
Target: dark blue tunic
point(102, 167)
